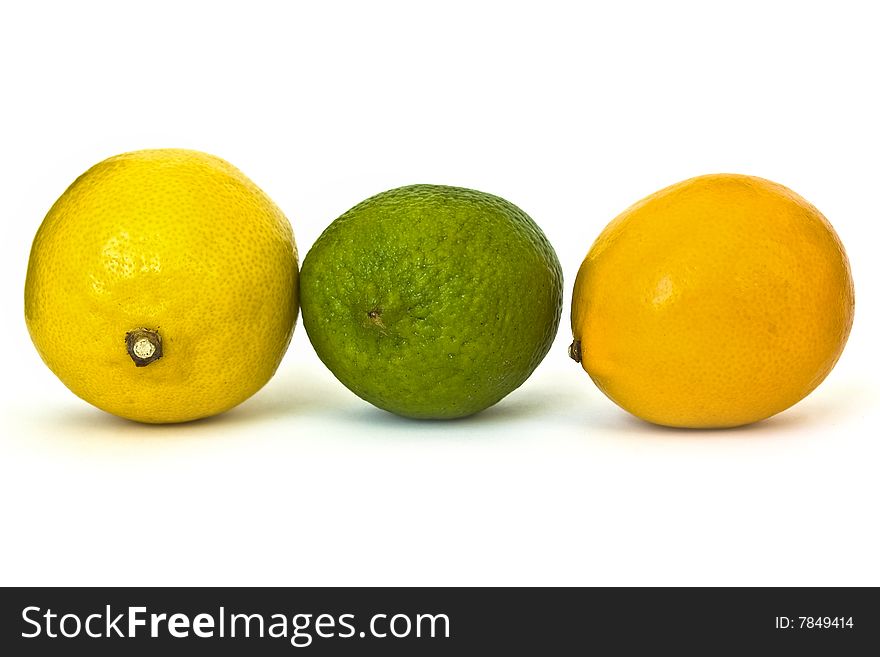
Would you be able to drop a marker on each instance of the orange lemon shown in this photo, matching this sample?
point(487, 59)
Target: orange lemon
point(715, 302)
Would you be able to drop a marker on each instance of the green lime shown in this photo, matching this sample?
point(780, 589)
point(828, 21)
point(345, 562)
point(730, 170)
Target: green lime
point(431, 301)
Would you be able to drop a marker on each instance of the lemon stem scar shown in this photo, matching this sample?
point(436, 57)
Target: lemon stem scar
point(574, 351)
point(144, 346)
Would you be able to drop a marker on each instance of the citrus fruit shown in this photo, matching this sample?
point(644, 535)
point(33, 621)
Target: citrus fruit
point(161, 286)
point(431, 301)
point(716, 302)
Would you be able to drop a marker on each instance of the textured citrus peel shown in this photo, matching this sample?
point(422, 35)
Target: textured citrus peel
point(144, 346)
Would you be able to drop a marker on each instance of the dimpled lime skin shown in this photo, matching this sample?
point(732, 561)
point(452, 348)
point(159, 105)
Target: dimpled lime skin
point(431, 301)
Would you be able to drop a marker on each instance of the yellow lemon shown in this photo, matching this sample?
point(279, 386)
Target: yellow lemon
point(162, 286)
point(716, 302)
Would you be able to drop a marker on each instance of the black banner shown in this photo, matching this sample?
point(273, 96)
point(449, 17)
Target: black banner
point(437, 621)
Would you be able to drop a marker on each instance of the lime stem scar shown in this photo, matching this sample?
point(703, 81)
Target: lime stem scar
point(144, 346)
point(574, 351)
point(375, 317)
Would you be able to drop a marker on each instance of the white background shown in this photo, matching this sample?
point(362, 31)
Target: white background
point(572, 111)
